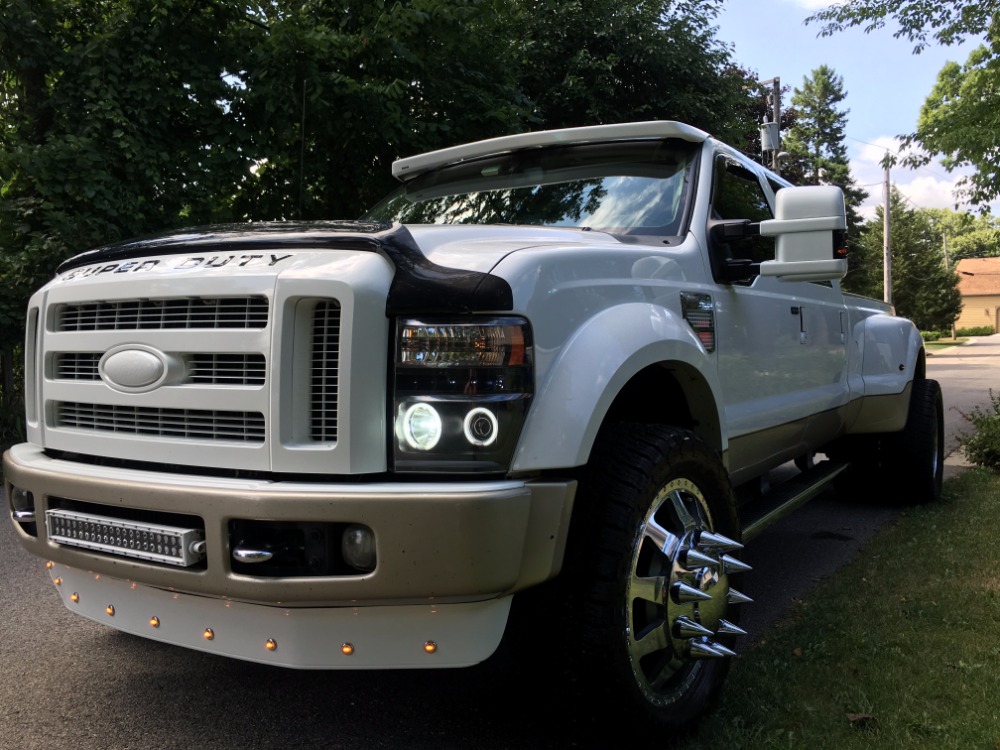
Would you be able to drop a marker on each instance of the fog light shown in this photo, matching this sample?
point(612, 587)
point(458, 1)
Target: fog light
point(481, 427)
point(357, 545)
point(22, 505)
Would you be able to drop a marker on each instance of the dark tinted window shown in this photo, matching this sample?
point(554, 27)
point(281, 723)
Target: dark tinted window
point(738, 194)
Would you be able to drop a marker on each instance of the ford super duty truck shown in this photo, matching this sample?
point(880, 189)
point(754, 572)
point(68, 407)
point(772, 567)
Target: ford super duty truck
point(565, 362)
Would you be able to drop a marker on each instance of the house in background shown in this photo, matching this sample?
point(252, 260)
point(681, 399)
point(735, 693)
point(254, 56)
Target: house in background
point(979, 285)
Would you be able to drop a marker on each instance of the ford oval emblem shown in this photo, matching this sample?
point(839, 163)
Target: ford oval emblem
point(132, 369)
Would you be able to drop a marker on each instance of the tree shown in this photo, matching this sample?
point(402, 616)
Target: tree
point(815, 142)
point(959, 119)
point(966, 235)
point(947, 22)
point(604, 61)
point(114, 124)
point(923, 288)
point(338, 89)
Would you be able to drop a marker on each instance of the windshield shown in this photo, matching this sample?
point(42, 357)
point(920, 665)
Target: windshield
point(638, 187)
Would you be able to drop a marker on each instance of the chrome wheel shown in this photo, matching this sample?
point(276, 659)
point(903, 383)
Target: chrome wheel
point(646, 595)
point(677, 594)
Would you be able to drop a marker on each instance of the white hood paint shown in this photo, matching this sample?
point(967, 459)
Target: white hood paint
point(481, 248)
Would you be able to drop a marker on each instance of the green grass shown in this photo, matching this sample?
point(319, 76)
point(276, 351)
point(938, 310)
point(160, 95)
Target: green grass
point(943, 343)
point(900, 649)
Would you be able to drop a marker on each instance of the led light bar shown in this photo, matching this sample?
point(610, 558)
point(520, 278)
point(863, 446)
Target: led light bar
point(146, 541)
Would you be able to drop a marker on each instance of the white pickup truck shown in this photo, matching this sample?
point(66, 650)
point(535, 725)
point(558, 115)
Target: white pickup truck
point(564, 361)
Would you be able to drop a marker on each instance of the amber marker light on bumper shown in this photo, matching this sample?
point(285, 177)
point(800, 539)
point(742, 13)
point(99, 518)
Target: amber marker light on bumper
point(271, 645)
point(154, 622)
point(430, 647)
point(209, 634)
point(347, 649)
point(110, 609)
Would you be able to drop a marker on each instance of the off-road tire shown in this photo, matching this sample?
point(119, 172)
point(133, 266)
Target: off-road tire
point(647, 483)
point(903, 468)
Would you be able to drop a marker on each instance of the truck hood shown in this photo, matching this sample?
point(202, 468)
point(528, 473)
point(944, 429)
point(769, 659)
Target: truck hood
point(481, 248)
point(436, 268)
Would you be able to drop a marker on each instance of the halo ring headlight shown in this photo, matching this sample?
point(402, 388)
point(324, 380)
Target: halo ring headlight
point(481, 427)
point(422, 426)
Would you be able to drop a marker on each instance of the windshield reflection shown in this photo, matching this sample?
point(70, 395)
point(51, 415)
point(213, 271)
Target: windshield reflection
point(629, 188)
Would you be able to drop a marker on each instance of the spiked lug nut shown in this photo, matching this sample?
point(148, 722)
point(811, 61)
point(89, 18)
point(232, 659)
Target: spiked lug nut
point(732, 565)
point(708, 540)
point(736, 597)
point(704, 649)
point(728, 628)
point(724, 650)
point(685, 627)
point(693, 559)
point(684, 594)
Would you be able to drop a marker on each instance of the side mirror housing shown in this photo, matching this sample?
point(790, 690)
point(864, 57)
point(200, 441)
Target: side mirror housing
point(810, 227)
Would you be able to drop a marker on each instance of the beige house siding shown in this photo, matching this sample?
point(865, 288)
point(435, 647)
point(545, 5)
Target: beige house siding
point(979, 311)
point(979, 285)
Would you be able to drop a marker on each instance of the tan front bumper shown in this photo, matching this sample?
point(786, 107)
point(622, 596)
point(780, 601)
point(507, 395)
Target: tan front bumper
point(440, 542)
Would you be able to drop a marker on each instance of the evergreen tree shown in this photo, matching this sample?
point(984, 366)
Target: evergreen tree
point(923, 289)
point(815, 144)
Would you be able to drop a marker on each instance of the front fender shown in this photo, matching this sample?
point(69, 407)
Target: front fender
point(592, 368)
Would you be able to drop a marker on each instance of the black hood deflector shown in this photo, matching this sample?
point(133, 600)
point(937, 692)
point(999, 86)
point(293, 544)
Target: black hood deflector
point(418, 286)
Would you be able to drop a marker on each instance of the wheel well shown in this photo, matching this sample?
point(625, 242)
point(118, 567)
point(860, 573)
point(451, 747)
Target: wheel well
point(920, 371)
point(669, 393)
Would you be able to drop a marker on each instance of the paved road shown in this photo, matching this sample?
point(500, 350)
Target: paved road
point(67, 683)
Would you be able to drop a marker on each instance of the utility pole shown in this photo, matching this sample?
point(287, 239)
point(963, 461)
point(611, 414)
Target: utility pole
point(947, 266)
point(886, 249)
point(770, 132)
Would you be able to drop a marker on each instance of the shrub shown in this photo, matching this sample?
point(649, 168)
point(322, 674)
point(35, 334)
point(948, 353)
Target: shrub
point(930, 335)
point(982, 447)
point(975, 331)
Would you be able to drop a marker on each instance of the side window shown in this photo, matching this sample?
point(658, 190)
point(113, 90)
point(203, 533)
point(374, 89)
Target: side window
point(738, 194)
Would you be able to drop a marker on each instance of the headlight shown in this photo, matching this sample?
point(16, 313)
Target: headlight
point(461, 393)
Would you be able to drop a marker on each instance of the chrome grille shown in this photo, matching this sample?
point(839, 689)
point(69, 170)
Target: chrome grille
point(166, 313)
point(226, 369)
point(77, 366)
point(325, 370)
point(245, 427)
point(203, 368)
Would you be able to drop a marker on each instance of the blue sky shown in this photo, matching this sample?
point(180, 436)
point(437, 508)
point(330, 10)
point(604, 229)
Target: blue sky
point(886, 84)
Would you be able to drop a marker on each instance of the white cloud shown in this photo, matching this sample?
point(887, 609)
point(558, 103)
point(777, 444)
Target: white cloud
point(926, 187)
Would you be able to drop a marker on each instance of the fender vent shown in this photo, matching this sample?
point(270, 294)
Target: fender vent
point(699, 312)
